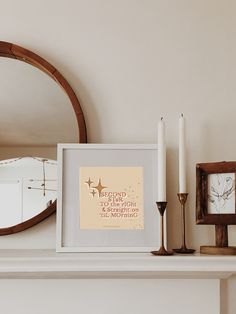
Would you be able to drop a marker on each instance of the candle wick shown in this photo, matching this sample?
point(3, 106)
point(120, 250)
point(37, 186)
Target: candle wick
point(182, 114)
point(161, 118)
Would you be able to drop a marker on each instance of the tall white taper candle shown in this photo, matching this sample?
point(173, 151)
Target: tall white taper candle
point(182, 156)
point(161, 164)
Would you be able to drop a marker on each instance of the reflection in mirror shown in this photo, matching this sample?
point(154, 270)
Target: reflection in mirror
point(35, 111)
point(38, 110)
point(27, 187)
point(36, 114)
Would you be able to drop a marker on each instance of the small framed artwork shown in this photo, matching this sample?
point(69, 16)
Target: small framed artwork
point(107, 198)
point(216, 198)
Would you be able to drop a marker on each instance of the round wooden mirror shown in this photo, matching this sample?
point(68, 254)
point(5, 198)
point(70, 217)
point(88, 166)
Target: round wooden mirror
point(53, 114)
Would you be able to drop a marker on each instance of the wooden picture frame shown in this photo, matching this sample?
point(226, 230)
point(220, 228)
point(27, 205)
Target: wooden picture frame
point(221, 193)
point(76, 229)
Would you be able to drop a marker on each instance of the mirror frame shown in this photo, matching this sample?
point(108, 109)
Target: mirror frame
point(10, 50)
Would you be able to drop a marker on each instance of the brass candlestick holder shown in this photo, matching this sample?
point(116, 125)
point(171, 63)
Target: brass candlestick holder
point(183, 250)
point(162, 251)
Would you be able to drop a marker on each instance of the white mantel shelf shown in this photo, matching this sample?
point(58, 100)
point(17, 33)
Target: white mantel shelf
point(49, 264)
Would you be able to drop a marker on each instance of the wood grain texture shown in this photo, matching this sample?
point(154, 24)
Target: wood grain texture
point(221, 235)
point(214, 250)
point(10, 50)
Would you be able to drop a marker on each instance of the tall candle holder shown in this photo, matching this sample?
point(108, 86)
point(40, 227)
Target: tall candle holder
point(183, 250)
point(162, 250)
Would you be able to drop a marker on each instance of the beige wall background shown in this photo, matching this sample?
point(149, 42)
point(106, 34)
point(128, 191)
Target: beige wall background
point(131, 62)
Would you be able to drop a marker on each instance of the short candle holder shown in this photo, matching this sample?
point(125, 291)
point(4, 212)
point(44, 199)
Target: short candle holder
point(183, 250)
point(162, 250)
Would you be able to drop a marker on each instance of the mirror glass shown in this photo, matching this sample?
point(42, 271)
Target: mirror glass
point(27, 186)
point(35, 111)
point(36, 114)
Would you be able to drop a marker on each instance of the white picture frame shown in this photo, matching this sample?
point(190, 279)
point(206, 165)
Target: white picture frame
point(74, 157)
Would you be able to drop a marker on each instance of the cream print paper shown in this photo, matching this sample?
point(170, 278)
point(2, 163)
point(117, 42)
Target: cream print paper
point(221, 193)
point(111, 198)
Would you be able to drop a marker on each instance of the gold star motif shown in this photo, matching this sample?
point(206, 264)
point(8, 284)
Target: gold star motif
point(93, 193)
point(89, 182)
point(99, 187)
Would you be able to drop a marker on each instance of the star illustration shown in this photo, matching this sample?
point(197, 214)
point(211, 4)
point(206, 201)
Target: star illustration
point(99, 187)
point(89, 182)
point(93, 193)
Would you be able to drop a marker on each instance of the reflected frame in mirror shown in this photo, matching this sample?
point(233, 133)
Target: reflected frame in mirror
point(10, 50)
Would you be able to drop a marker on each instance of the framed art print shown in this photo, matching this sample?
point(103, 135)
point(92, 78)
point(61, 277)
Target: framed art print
point(107, 198)
point(216, 200)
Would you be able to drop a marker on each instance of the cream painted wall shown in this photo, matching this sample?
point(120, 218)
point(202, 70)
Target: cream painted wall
point(131, 62)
